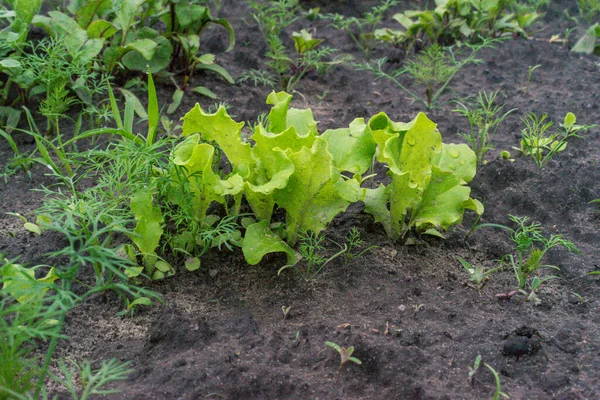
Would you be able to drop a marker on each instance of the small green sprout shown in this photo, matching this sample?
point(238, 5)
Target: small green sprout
point(530, 70)
point(477, 275)
point(472, 371)
point(286, 311)
point(345, 354)
point(498, 391)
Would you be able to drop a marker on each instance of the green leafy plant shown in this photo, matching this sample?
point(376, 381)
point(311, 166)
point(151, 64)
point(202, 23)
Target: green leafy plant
point(345, 354)
point(531, 247)
point(588, 9)
point(91, 382)
point(589, 43)
point(311, 250)
point(283, 70)
point(484, 119)
point(455, 21)
point(433, 68)
point(185, 22)
point(428, 189)
point(353, 246)
point(366, 25)
point(540, 144)
point(477, 275)
point(287, 165)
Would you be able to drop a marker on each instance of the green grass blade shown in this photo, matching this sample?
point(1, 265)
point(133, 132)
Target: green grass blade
point(115, 108)
point(153, 112)
point(10, 141)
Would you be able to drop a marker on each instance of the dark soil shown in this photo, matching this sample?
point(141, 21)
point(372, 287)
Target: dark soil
point(415, 321)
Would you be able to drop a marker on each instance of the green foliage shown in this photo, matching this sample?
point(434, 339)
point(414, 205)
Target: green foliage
point(19, 18)
point(366, 31)
point(91, 382)
point(139, 35)
point(185, 23)
point(34, 309)
point(285, 71)
point(589, 9)
point(589, 43)
point(484, 119)
point(433, 68)
point(455, 21)
point(540, 144)
point(531, 247)
point(477, 275)
point(288, 165)
point(428, 189)
point(345, 354)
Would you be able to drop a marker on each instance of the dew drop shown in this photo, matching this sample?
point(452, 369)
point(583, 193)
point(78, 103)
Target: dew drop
point(454, 153)
point(410, 141)
point(462, 162)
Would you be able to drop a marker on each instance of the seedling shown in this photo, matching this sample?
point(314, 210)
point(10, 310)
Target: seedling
point(535, 284)
point(366, 25)
point(90, 382)
point(498, 391)
point(473, 370)
point(540, 144)
point(286, 311)
point(345, 355)
point(353, 244)
point(311, 250)
point(285, 71)
point(581, 299)
point(530, 70)
point(530, 246)
point(433, 68)
point(484, 120)
point(477, 275)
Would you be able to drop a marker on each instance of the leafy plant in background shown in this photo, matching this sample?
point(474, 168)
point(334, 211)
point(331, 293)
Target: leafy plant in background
point(589, 9)
point(284, 71)
point(287, 72)
point(460, 20)
point(19, 19)
point(428, 189)
point(589, 43)
point(185, 22)
point(540, 144)
point(484, 119)
point(125, 35)
point(366, 25)
point(433, 68)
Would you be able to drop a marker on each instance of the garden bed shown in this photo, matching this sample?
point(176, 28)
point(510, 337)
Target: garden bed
point(415, 320)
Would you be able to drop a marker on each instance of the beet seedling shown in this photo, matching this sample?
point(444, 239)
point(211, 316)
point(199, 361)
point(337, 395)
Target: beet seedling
point(345, 354)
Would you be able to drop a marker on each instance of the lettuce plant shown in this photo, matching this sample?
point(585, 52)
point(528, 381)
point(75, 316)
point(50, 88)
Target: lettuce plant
point(289, 166)
point(428, 189)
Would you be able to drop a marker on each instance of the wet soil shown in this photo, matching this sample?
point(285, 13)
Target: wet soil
point(414, 320)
